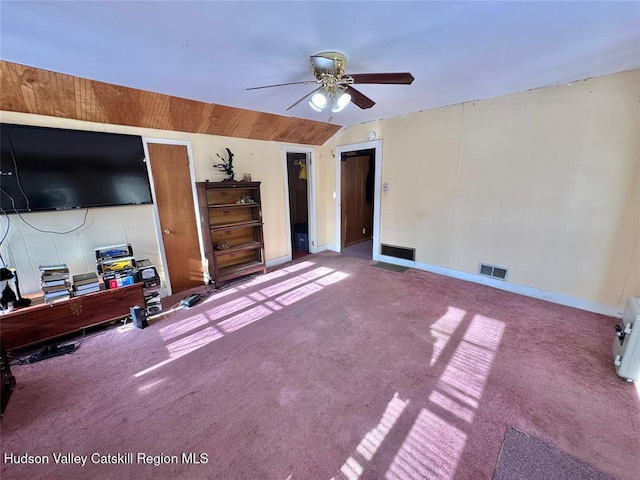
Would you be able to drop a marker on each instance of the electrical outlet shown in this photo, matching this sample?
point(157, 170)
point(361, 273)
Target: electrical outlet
point(364, 231)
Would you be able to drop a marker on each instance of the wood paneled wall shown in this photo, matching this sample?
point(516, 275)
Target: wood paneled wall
point(33, 90)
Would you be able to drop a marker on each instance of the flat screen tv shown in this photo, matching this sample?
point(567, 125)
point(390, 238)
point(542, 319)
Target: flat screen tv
point(43, 169)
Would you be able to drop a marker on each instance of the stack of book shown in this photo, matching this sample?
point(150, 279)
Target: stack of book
point(84, 283)
point(55, 282)
point(148, 274)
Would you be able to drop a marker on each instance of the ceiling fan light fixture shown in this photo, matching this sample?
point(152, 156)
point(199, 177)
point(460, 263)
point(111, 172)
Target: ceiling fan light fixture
point(329, 69)
point(319, 100)
point(340, 100)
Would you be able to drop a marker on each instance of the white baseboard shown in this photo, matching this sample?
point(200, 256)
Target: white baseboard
point(533, 292)
point(274, 262)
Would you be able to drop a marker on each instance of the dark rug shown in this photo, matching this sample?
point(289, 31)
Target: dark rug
point(524, 457)
point(391, 267)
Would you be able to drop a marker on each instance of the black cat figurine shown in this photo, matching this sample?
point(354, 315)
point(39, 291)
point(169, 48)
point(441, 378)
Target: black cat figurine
point(8, 295)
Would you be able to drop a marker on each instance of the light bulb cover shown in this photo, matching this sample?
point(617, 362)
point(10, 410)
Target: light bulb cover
point(314, 107)
point(340, 100)
point(319, 100)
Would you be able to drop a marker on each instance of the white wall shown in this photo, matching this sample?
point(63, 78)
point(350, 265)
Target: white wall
point(26, 248)
point(543, 182)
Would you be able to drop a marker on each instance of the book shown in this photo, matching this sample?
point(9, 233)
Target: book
point(53, 283)
point(51, 269)
point(86, 286)
point(84, 291)
point(56, 266)
point(56, 294)
point(54, 288)
point(54, 277)
point(90, 287)
point(85, 278)
point(58, 299)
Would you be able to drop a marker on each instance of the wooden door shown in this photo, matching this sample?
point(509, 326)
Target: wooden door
point(174, 201)
point(356, 180)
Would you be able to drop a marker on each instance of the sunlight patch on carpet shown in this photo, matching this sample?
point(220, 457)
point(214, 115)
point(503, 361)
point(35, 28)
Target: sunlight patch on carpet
point(219, 320)
point(367, 448)
point(432, 449)
point(442, 330)
point(283, 272)
point(434, 445)
point(463, 380)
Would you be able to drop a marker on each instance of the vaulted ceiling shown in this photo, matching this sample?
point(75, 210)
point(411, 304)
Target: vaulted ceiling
point(211, 52)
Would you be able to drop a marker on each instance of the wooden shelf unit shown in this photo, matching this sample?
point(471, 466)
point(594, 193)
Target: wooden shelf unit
point(237, 225)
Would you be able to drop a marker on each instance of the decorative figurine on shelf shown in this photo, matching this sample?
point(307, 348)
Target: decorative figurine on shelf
point(226, 166)
point(222, 245)
point(245, 199)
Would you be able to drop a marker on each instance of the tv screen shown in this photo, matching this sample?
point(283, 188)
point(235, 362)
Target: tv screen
point(57, 169)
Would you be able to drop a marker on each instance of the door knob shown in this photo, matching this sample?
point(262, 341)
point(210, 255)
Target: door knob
point(167, 231)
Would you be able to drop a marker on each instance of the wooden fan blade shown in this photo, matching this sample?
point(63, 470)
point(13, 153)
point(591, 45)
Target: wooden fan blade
point(308, 82)
point(300, 100)
point(400, 78)
point(360, 99)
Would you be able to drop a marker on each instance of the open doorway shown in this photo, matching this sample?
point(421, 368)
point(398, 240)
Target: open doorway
point(358, 184)
point(298, 182)
point(357, 169)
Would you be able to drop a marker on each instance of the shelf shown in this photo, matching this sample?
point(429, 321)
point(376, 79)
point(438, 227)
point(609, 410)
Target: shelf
point(242, 268)
point(231, 185)
point(231, 226)
point(239, 225)
point(238, 248)
point(233, 205)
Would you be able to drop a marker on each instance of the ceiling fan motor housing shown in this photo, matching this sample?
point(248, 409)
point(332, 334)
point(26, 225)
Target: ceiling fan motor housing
point(328, 63)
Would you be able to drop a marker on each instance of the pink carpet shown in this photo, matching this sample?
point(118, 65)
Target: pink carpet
point(328, 368)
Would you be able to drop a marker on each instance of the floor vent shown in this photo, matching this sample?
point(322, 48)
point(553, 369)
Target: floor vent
point(492, 271)
point(398, 252)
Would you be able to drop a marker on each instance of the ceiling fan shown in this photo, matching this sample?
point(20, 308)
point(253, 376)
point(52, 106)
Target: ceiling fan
point(336, 88)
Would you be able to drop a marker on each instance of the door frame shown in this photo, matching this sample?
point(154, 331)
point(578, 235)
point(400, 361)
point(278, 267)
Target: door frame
point(156, 214)
point(377, 146)
point(311, 197)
